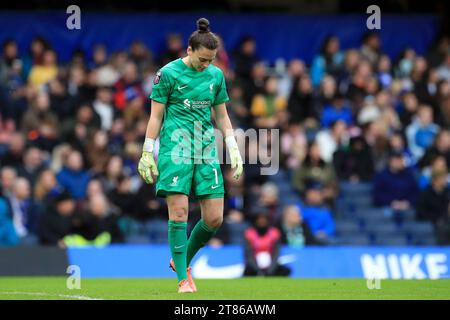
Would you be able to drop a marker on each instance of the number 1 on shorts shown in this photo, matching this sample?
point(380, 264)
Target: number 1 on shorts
point(216, 176)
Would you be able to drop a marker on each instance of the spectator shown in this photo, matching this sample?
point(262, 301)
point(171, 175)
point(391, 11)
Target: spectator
point(262, 245)
point(444, 69)
point(73, 177)
point(58, 221)
point(397, 144)
point(245, 58)
point(314, 168)
point(8, 59)
point(293, 146)
point(421, 132)
point(8, 176)
point(434, 201)
point(301, 101)
point(443, 229)
point(384, 71)
point(330, 140)
point(8, 234)
point(222, 60)
point(33, 164)
point(354, 164)
point(255, 85)
point(338, 110)
point(440, 148)
point(46, 189)
point(122, 197)
point(128, 87)
point(98, 155)
point(239, 111)
point(14, 155)
point(114, 168)
point(104, 108)
point(267, 108)
point(98, 225)
point(175, 49)
point(268, 201)
point(38, 113)
point(23, 211)
point(38, 47)
point(370, 48)
point(409, 107)
point(42, 74)
point(295, 71)
point(294, 231)
point(329, 61)
point(318, 217)
point(395, 186)
point(140, 54)
point(437, 164)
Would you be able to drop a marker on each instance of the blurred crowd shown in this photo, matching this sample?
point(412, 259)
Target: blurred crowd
point(71, 135)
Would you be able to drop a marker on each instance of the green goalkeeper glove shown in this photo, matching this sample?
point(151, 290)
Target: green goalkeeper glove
point(235, 156)
point(147, 165)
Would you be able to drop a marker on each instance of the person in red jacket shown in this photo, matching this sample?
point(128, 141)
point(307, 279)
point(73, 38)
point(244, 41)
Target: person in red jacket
point(262, 243)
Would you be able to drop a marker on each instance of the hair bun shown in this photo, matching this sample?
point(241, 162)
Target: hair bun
point(202, 25)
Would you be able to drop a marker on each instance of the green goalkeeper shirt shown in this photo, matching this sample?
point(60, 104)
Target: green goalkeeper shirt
point(188, 96)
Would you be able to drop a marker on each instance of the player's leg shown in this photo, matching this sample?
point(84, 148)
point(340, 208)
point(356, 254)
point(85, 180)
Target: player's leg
point(178, 215)
point(174, 183)
point(208, 186)
point(206, 227)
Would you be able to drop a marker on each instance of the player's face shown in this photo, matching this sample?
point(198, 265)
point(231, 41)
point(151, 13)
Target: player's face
point(201, 58)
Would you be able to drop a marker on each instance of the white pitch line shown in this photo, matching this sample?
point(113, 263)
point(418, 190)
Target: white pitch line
point(50, 295)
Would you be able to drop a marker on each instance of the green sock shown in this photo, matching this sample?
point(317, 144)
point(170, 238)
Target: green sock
point(200, 236)
point(177, 242)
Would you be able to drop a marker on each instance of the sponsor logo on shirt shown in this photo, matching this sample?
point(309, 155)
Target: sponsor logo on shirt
point(196, 104)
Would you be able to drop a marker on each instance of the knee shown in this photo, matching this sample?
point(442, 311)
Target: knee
point(179, 213)
point(214, 223)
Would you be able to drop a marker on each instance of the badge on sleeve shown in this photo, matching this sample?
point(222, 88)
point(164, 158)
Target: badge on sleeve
point(157, 77)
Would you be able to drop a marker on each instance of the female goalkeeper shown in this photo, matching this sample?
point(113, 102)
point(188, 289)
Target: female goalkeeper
point(185, 92)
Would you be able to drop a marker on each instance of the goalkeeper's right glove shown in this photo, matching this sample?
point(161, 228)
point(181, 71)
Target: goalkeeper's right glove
point(235, 156)
point(147, 165)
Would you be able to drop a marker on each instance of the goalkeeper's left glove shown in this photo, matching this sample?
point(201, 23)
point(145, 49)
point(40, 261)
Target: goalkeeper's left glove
point(235, 156)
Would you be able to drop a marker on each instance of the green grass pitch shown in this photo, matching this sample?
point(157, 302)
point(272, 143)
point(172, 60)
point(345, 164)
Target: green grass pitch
point(21, 288)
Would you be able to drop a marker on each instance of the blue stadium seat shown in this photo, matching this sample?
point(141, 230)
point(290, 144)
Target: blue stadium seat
point(423, 240)
point(138, 239)
point(383, 229)
point(393, 240)
point(351, 189)
point(345, 227)
point(361, 239)
point(157, 231)
point(289, 199)
point(418, 228)
point(236, 232)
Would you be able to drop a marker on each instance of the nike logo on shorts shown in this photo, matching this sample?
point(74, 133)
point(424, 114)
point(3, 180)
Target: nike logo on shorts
point(214, 187)
point(178, 247)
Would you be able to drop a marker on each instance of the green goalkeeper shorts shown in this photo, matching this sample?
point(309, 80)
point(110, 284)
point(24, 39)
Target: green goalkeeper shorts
point(178, 175)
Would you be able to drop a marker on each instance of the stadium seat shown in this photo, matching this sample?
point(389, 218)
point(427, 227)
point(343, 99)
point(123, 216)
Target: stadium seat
point(393, 240)
point(419, 228)
point(421, 240)
point(236, 232)
point(382, 229)
point(346, 227)
point(138, 239)
point(349, 189)
point(157, 231)
point(354, 240)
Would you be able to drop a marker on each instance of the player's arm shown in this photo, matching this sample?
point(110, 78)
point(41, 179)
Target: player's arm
point(147, 165)
point(223, 123)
